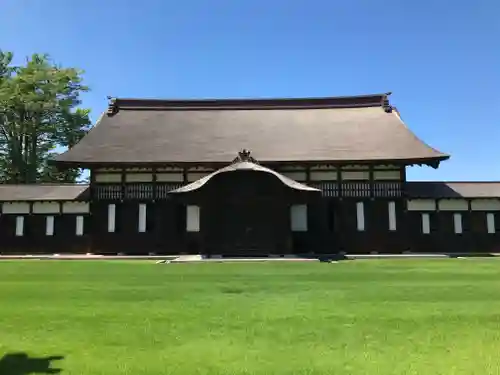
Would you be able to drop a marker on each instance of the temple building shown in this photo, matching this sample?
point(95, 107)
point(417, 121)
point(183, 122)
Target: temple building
point(251, 177)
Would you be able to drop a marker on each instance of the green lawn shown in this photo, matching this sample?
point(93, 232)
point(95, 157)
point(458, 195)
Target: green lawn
point(354, 317)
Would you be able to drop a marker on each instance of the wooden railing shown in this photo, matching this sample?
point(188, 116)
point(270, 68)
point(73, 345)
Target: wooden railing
point(140, 191)
point(347, 189)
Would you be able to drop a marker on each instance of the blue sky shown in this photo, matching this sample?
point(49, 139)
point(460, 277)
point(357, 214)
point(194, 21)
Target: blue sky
point(440, 58)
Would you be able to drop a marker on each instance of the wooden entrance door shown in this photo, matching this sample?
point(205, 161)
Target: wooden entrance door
point(245, 213)
point(251, 227)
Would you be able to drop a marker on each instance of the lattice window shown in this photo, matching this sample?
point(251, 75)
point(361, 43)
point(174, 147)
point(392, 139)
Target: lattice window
point(139, 191)
point(107, 192)
point(356, 189)
point(387, 189)
point(163, 189)
point(329, 189)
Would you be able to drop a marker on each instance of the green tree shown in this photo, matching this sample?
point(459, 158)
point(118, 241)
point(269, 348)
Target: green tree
point(38, 117)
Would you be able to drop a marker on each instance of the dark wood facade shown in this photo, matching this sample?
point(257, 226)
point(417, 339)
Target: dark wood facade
point(330, 177)
point(250, 212)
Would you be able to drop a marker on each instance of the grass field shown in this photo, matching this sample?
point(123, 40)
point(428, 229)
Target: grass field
point(355, 317)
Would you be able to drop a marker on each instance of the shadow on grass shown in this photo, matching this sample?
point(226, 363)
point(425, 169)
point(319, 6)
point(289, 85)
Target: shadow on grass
point(470, 255)
point(23, 364)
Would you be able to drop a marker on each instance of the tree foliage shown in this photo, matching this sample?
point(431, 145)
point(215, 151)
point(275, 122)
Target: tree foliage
point(38, 117)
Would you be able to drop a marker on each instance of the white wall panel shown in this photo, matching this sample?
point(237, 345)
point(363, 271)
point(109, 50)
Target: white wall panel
point(111, 217)
point(422, 205)
point(46, 208)
point(79, 226)
point(360, 216)
point(298, 218)
point(355, 175)
point(16, 208)
point(485, 205)
point(49, 226)
point(20, 226)
point(192, 218)
point(490, 222)
point(387, 175)
point(108, 177)
point(170, 177)
point(139, 177)
point(453, 205)
point(426, 223)
point(457, 223)
point(142, 218)
point(392, 215)
point(323, 175)
point(76, 207)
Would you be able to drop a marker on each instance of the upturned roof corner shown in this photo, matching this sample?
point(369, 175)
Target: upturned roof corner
point(112, 106)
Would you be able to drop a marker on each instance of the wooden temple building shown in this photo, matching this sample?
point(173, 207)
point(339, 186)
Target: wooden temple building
point(251, 177)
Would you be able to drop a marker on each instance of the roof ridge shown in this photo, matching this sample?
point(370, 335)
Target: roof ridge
point(369, 100)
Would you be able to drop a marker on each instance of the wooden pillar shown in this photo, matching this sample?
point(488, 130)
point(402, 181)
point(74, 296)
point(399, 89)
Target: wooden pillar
point(339, 181)
point(92, 184)
point(371, 177)
point(403, 181)
point(154, 185)
point(123, 183)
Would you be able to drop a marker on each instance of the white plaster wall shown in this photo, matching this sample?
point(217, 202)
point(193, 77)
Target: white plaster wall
point(355, 175)
point(360, 216)
point(16, 208)
point(170, 177)
point(46, 208)
point(141, 225)
point(453, 205)
point(20, 226)
point(139, 177)
point(108, 177)
point(387, 175)
point(192, 218)
point(298, 218)
point(426, 223)
point(421, 205)
point(323, 175)
point(111, 218)
point(76, 207)
point(79, 226)
point(490, 222)
point(485, 205)
point(457, 223)
point(392, 215)
point(49, 226)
